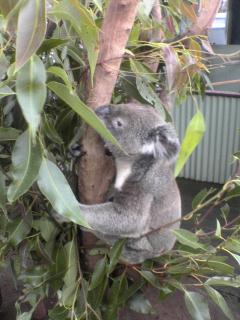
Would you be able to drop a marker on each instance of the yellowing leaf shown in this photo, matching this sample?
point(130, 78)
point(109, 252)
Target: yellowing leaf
point(193, 136)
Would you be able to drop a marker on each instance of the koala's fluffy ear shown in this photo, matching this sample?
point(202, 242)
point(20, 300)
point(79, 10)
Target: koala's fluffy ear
point(162, 142)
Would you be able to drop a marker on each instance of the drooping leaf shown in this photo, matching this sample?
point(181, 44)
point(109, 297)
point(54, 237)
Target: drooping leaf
point(58, 313)
point(56, 189)
point(115, 254)
point(151, 278)
point(199, 198)
point(196, 305)
point(31, 91)
point(83, 24)
point(220, 301)
point(26, 161)
point(139, 303)
point(193, 136)
point(31, 30)
point(8, 134)
point(46, 227)
point(220, 267)
point(172, 65)
point(80, 108)
point(232, 244)
point(218, 232)
point(6, 91)
point(188, 238)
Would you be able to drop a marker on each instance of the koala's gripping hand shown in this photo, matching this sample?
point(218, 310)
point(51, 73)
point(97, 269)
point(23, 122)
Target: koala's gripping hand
point(129, 221)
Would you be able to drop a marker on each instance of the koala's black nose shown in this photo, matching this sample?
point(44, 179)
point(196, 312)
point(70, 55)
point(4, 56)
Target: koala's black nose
point(102, 111)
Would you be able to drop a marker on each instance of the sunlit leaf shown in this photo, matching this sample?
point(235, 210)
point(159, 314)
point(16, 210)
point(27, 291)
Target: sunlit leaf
point(31, 30)
point(8, 134)
point(26, 161)
point(220, 267)
point(80, 108)
point(232, 244)
point(196, 305)
point(31, 91)
point(193, 136)
point(220, 301)
point(56, 189)
point(218, 232)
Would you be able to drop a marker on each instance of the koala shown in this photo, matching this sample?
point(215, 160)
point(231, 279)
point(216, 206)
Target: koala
point(146, 195)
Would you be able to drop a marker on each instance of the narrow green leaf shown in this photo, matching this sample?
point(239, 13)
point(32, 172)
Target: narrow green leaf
point(235, 256)
point(196, 305)
point(224, 281)
point(61, 73)
point(30, 35)
point(83, 24)
point(98, 274)
point(80, 108)
point(232, 244)
point(220, 301)
point(46, 227)
point(52, 43)
point(199, 198)
point(188, 238)
point(115, 254)
point(8, 134)
point(18, 230)
point(58, 313)
point(151, 278)
point(26, 161)
point(193, 136)
point(56, 189)
point(31, 91)
point(6, 91)
point(220, 267)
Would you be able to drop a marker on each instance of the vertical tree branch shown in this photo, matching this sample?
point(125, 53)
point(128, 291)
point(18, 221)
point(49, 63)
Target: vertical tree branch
point(96, 170)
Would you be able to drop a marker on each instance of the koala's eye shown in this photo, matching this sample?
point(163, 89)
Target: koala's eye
point(118, 123)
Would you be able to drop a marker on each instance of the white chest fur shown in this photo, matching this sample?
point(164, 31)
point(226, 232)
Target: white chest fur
point(124, 169)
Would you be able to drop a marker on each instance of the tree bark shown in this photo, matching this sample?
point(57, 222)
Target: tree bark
point(96, 170)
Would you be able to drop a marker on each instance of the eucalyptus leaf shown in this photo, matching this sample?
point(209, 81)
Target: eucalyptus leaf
point(199, 198)
point(17, 231)
point(139, 303)
point(220, 301)
point(196, 305)
point(26, 161)
point(3, 193)
point(83, 24)
point(98, 274)
point(188, 238)
point(115, 254)
point(52, 43)
point(8, 134)
point(80, 108)
point(193, 136)
point(31, 91)
point(224, 281)
point(6, 91)
point(61, 73)
point(56, 189)
point(31, 30)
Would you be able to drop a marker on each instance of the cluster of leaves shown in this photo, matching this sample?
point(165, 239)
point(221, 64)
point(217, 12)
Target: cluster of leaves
point(45, 57)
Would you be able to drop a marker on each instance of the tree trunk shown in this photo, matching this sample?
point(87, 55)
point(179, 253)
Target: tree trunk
point(96, 170)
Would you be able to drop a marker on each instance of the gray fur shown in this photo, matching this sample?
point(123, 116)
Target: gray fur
point(147, 195)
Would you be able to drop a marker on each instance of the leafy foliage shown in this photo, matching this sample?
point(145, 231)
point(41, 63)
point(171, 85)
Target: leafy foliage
point(44, 59)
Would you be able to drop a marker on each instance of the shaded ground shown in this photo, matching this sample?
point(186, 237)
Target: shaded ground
point(172, 308)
